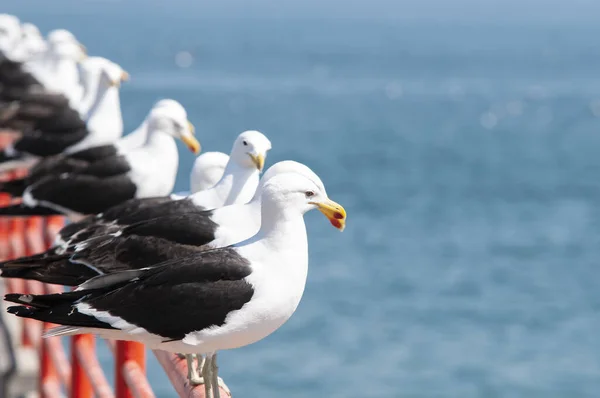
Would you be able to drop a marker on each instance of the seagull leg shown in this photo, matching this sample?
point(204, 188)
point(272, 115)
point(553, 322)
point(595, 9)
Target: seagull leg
point(214, 374)
point(193, 376)
point(206, 370)
point(201, 361)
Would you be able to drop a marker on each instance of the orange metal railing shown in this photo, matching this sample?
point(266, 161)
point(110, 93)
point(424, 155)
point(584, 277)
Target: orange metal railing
point(81, 376)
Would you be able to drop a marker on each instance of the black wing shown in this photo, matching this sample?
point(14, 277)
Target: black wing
point(141, 245)
point(133, 252)
point(148, 243)
point(95, 153)
point(107, 167)
point(72, 163)
point(167, 208)
point(40, 144)
point(108, 220)
point(188, 229)
point(48, 268)
point(190, 294)
point(83, 193)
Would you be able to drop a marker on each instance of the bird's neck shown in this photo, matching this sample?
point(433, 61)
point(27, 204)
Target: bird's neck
point(281, 227)
point(135, 139)
point(157, 137)
point(65, 79)
point(280, 248)
point(104, 118)
point(237, 185)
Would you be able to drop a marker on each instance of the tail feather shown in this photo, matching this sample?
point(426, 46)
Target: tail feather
point(10, 156)
point(35, 260)
point(41, 301)
point(10, 160)
point(63, 314)
point(14, 187)
point(54, 308)
point(59, 271)
point(60, 331)
point(24, 211)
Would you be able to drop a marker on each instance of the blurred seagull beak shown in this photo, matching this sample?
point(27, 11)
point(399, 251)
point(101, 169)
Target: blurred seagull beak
point(123, 78)
point(191, 127)
point(191, 141)
point(334, 212)
point(258, 160)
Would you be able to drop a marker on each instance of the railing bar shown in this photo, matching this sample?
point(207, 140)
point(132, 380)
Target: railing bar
point(112, 346)
point(32, 333)
point(59, 359)
point(89, 362)
point(176, 370)
point(175, 373)
point(136, 380)
point(51, 389)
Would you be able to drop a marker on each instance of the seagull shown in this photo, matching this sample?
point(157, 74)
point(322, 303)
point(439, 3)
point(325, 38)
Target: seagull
point(207, 170)
point(144, 172)
point(146, 242)
point(80, 160)
point(54, 72)
point(10, 34)
point(215, 300)
point(238, 185)
point(104, 124)
point(155, 239)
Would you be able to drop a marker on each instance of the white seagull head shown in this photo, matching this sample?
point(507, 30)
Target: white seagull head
point(208, 170)
point(170, 117)
point(250, 149)
point(10, 33)
point(33, 41)
point(299, 190)
point(99, 69)
point(69, 51)
point(57, 37)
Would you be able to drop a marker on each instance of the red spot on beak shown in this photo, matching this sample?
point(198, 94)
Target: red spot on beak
point(337, 215)
point(335, 223)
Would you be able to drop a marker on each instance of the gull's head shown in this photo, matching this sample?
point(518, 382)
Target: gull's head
point(32, 38)
point(7, 19)
point(29, 30)
point(115, 74)
point(208, 170)
point(170, 117)
point(69, 51)
point(101, 74)
point(298, 188)
point(10, 32)
point(250, 150)
point(57, 37)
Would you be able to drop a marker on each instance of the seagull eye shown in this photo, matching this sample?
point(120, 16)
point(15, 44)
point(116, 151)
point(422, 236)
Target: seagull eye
point(245, 143)
point(309, 194)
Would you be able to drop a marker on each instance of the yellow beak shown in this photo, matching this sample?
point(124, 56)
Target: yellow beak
point(124, 77)
point(192, 143)
point(191, 127)
point(334, 212)
point(258, 160)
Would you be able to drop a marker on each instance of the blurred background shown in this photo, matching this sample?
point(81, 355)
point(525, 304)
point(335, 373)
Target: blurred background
point(461, 136)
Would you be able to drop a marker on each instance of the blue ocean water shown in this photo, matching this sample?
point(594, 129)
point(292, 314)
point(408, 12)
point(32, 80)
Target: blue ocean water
point(466, 155)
